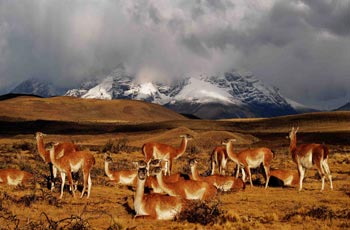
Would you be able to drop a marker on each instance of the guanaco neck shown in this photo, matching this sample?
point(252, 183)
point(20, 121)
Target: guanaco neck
point(52, 155)
point(293, 146)
point(163, 185)
point(45, 155)
point(230, 153)
point(194, 172)
point(53, 158)
point(107, 171)
point(140, 187)
point(181, 150)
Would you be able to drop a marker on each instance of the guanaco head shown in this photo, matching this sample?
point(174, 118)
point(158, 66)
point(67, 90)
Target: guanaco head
point(292, 132)
point(142, 173)
point(193, 162)
point(108, 158)
point(140, 164)
point(156, 171)
point(39, 135)
point(155, 163)
point(228, 141)
point(187, 136)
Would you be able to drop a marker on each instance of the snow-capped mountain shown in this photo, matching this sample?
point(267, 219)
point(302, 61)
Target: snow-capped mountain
point(211, 97)
point(38, 87)
point(228, 95)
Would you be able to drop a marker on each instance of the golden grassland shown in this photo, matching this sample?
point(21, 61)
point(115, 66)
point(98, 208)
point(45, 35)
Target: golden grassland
point(111, 206)
point(123, 126)
point(83, 110)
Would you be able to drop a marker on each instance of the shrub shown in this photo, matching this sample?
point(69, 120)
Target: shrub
point(201, 212)
point(29, 146)
point(115, 146)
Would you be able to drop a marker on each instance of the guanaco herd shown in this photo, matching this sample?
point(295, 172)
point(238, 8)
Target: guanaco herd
point(171, 190)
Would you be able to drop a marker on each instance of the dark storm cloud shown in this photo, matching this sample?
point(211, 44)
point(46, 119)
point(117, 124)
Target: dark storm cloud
point(53, 40)
point(331, 15)
point(193, 43)
point(300, 46)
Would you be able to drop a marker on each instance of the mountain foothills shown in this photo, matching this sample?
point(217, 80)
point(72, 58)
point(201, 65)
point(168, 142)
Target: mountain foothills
point(228, 95)
point(15, 108)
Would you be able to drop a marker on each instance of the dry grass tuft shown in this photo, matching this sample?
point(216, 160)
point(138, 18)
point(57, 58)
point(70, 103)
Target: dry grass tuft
point(201, 212)
point(318, 212)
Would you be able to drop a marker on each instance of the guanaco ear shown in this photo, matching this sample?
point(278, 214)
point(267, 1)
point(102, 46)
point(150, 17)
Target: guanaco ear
point(140, 164)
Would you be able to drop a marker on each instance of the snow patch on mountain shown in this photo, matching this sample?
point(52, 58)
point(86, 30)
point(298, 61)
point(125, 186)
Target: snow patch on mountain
point(201, 91)
point(102, 90)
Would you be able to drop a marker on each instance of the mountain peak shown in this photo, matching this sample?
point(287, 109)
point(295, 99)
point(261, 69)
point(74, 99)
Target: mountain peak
point(345, 107)
point(226, 95)
point(196, 94)
point(38, 87)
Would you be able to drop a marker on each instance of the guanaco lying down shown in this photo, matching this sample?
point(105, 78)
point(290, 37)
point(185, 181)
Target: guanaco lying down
point(15, 177)
point(223, 183)
point(284, 177)
point(155, 206)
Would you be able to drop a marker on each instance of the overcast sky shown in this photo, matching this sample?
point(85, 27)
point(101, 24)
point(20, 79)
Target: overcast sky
point(300, 46)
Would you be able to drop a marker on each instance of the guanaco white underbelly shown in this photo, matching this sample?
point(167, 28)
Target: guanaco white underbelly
point(167, 214)
point(288, 180)
point(225, 186)
point(77, 166)
point(166, 156)
point(254, 163)
point(127, 180)
point(14, 181)
point(195, 195)
point(307, 160)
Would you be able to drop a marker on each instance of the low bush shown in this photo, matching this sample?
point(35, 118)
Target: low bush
point(200, 212)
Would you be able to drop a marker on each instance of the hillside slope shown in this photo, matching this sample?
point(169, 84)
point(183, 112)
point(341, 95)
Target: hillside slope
point(345, 107)
point(73, 109)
